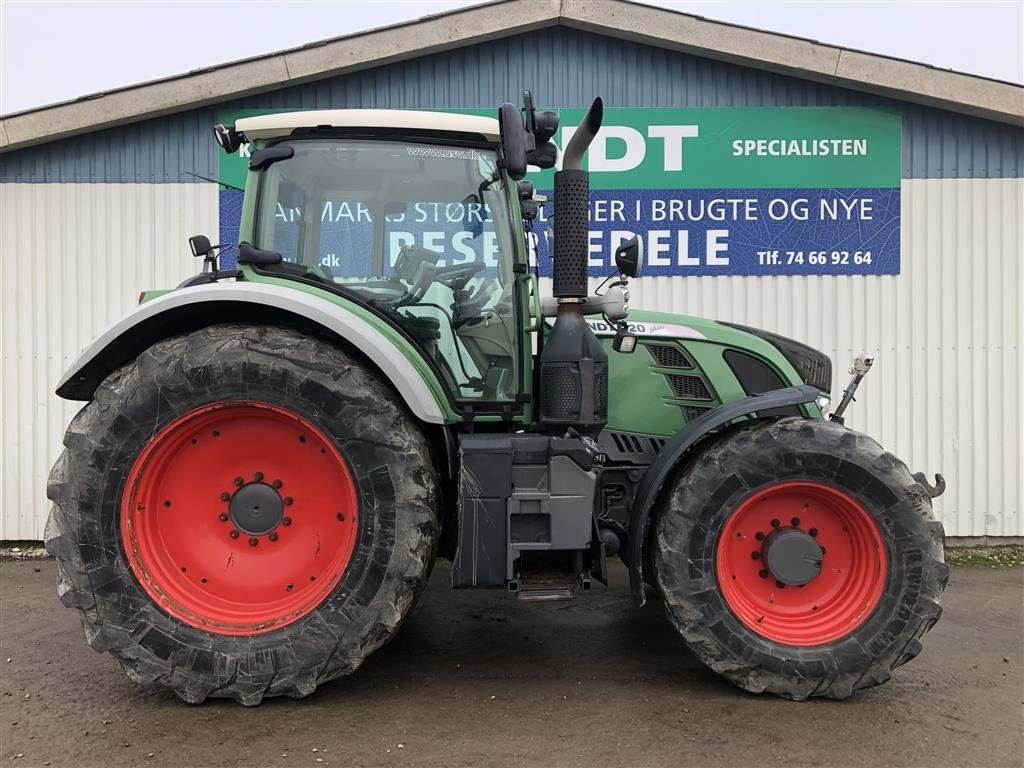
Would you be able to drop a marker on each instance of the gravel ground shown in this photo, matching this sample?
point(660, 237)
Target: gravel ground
point(476, 679)
point(995, 557)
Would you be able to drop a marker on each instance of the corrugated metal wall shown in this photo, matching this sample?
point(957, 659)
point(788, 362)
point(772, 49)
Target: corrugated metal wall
point(90, 221)
point(73, 258)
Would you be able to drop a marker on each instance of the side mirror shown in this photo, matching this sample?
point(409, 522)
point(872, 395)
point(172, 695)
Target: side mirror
point(629, 256)
point(200, 245)
point(228, 138)
point(513, 140)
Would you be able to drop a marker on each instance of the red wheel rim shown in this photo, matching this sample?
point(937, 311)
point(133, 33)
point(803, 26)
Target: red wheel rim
point(832, 604)
point(239, 517)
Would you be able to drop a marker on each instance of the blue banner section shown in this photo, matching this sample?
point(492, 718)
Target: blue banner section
point(707, 232)
point(742, 231)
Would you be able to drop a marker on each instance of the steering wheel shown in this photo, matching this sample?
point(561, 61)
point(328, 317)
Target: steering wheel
point(457, 273)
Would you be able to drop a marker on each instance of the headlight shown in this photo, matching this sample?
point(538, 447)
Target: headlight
point(824, 403)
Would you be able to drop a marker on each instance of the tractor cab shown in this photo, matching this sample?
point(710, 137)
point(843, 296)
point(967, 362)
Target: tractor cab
point(405, 213)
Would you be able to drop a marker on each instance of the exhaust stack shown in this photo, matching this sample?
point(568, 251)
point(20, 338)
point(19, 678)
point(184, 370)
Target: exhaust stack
point(572, 210)
point(573, 364)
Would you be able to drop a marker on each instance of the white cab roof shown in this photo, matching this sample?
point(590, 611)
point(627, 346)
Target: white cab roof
point(283, 123)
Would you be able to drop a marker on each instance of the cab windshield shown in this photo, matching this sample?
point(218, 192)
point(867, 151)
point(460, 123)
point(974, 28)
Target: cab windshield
point(419, 231)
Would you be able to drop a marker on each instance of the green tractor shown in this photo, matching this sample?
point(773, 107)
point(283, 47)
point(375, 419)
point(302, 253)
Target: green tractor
point(273, 455)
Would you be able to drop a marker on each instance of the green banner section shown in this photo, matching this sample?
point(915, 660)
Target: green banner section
point(716, 148)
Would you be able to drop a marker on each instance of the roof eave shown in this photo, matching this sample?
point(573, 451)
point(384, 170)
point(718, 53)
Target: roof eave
point(806, 59)
point(378, 47)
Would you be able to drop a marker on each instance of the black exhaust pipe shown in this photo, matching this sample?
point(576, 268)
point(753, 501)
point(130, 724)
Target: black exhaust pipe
point(572, 210)
point(572, 157)
point(573, 364)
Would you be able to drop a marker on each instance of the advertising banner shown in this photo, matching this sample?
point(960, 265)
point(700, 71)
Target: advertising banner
point(721, 191)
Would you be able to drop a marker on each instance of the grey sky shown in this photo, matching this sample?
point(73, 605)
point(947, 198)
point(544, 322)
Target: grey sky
point(53, 51)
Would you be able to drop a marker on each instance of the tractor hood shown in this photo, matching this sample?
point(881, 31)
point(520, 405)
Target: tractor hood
point(683, 366)
point(809, 366)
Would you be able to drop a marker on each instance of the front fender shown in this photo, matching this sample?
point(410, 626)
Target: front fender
point(188, 309)
point(668, 458)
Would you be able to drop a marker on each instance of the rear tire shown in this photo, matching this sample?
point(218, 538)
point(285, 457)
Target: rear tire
point(149, 481)
point(881, 571)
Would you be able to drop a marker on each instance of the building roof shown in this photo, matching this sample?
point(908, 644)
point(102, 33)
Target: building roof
point(797, 57)
point(283, 123)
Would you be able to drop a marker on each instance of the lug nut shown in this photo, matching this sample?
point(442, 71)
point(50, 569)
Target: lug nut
point(223, 517)
point(759, 536)
point(253, 541)
point(813, 531)
point(225, 496)
point(233, 534)
point(755, 555)
point(258, 476)
point(239, 481)
point(763, 573)
point(775, 523)
point(287, 500)
point(272, 536)
point(779, 584)
point(277, 483)
point(795, 521)
point(286, 521)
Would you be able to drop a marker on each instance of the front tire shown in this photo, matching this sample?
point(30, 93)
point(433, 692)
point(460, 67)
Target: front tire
point(860, 579)
point(242, 512)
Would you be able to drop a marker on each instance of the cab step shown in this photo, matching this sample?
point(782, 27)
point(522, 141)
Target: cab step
point(541, 592)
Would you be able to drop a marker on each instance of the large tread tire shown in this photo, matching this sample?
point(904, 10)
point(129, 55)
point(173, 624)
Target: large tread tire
point(394, 475)
point(741, 462)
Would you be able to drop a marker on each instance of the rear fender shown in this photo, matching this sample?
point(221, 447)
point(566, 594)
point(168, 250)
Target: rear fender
point(661, 469)
point(189, 309)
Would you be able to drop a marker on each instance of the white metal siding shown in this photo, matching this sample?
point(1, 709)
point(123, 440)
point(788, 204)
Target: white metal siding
point(945, 394)
point(73, 258)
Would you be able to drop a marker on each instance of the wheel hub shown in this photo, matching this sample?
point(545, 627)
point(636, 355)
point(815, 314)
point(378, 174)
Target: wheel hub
point(792, 556)
point(256, 509)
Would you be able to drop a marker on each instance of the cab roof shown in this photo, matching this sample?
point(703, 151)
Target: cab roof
point(283, 123)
